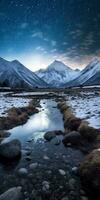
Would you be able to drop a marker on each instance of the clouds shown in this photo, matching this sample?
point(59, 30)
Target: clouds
point(24, 25)
point(68, 30)
point(38, 34)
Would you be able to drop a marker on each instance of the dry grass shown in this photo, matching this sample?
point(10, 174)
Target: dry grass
point(16, 116)
point(89, 133)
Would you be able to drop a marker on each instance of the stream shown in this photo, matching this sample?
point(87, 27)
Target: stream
point(53, 163)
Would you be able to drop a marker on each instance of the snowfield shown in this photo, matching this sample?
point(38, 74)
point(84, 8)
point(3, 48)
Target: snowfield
point(86, 106)
point(9, 102)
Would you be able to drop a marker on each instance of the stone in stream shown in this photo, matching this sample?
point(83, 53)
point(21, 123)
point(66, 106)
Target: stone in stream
point(49, 135)
point(73, 137)
point(12, 194)
point(56, 141)
point(52, 134)
point(10, 150)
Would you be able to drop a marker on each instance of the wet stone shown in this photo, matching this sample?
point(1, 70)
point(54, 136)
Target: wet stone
point(62, 172)
point(33, 166)
point(23, 172)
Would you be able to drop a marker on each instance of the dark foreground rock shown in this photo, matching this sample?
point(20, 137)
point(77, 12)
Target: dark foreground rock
point(52, 134)
point(10, 150)
point(90, 173)
point(73, 137)
point(12, 194)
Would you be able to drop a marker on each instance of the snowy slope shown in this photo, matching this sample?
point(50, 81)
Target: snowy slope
point(57, 74)
point(88, 76)
point(14, 74)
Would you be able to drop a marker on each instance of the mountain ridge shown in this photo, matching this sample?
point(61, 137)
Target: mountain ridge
point(14, 74)
point(57, 73)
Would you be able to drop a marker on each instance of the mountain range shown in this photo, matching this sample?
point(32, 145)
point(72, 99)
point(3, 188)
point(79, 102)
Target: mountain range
point(89, 76)
point(15, 75)
point(57, 74)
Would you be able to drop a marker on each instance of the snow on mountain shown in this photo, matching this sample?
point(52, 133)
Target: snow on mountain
point(57, 74)
point(90, 75)
point(14, 74)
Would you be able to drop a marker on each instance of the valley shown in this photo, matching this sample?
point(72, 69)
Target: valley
point(39, 154)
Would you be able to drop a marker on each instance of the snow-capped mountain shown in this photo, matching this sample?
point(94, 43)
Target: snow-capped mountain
point(57, 74)
point(90, 75)
point(15, 75)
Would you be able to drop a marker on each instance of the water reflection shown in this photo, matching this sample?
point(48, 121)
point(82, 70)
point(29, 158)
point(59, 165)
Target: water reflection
point(49, 118)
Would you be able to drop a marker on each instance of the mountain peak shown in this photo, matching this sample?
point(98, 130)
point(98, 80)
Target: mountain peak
point(58, 66)
point(15, 61)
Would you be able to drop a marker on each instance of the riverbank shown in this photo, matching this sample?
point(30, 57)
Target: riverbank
point(60, 162)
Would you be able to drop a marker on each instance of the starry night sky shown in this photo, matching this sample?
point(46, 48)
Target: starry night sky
point(36, 32)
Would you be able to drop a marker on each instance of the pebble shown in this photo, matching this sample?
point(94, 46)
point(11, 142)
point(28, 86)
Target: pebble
point(84, 198)
point(46, 186)
point(33, 165)
point(23, 172)
point(75, 170)
point(72, 183)
point(62, 172)
point(65, 198)
point(46, 158)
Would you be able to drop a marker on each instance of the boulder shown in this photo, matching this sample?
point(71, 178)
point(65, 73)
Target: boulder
point(12, 194)
point(73, 137)
point(10, 150)
point(49, 135)
point(90, 172)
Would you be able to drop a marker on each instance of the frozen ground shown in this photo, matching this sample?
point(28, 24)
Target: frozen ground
point(87, 106)
point(9, 102)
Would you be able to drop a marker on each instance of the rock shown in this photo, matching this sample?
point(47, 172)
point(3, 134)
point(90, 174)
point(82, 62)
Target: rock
point(90, 172)
point(62, 172)
point(46, 186)
point(46, 158)
point(4, 134)
point(22, 172)
point(56, 141)
point(35, 195)
point(10, 150)
point(73, 137)
point(65, 198)
point(75, 170)
point(72, 183)
point(84, 198)
point(49, 135)
point(12, 194)
point(33, 166)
